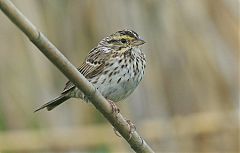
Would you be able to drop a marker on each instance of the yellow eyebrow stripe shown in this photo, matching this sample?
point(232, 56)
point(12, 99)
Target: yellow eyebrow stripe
point(125, 37)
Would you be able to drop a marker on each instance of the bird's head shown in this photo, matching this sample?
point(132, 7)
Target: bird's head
point(122, 39)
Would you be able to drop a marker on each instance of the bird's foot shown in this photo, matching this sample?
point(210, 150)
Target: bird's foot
point(115, 109)
point(132, 128)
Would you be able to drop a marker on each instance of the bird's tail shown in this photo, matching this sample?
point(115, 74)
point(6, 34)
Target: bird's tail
point(54, 103)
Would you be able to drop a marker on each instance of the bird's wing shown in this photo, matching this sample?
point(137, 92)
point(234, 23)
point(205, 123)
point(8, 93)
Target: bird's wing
point(94, 64)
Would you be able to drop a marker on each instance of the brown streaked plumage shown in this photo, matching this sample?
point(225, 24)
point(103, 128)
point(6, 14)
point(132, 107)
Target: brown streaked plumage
point(115, 67)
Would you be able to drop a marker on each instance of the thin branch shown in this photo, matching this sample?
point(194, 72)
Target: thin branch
point(61, 62)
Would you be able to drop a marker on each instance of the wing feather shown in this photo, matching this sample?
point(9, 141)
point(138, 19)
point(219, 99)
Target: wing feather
point(94, 64)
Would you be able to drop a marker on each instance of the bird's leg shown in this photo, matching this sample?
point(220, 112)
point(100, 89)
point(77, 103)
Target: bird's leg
point(132, 128)
point(115, 109)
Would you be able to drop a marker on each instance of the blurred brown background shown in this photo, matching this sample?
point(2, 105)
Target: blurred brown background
point(188, 101)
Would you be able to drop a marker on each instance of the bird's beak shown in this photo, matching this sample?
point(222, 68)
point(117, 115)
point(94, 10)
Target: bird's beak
point(139, 42)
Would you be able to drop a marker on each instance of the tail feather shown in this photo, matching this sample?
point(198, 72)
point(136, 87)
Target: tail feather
point(54, 103)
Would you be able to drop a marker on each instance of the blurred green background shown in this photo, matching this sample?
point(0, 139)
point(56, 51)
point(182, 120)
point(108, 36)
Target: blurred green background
point(188, 100)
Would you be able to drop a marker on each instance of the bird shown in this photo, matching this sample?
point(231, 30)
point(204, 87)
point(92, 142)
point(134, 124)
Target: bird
point(115, 68)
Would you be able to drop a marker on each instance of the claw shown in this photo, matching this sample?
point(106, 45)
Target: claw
point(132, 128)
point(115, 109)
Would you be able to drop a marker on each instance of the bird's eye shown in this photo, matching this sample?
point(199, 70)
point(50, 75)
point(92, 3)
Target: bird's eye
point(123, 41)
